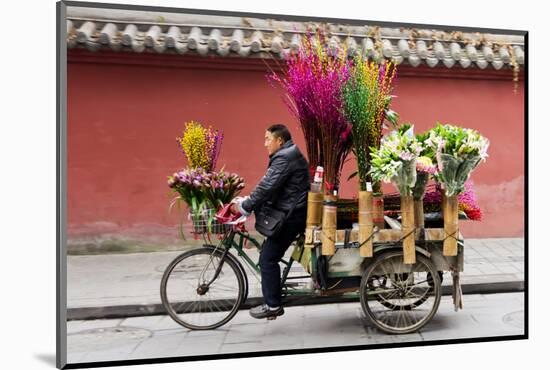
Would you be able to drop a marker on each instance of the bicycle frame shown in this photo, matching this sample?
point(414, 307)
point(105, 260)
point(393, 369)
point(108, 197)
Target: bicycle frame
point(236, 239)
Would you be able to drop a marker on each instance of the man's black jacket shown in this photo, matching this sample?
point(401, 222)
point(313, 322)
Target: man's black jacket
point(285, 184)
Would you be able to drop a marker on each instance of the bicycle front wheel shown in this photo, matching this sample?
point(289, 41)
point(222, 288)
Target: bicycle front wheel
point(195, 296)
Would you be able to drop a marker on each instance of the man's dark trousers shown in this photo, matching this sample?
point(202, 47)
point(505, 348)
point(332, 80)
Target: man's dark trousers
point(273, 249)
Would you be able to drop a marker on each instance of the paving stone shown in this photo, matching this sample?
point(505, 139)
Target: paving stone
point(82, 325)
point(159, 346)
point(206, 345)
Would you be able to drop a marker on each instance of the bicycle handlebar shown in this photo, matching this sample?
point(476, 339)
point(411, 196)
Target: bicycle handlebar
point(240, 220)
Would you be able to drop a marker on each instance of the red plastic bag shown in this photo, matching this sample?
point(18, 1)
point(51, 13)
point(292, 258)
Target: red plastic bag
point(225, 214)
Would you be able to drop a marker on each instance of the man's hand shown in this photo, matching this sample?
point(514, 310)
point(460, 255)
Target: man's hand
point(234, 208)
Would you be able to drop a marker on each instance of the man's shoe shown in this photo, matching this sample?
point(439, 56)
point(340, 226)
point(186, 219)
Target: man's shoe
point(264, 311)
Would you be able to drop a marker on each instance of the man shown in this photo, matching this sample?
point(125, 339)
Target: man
point(284, 187)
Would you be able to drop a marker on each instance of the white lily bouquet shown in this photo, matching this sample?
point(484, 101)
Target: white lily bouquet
point(395, 162)
point(458, 152)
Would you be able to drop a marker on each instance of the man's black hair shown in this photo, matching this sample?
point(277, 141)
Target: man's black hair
point(281, 131)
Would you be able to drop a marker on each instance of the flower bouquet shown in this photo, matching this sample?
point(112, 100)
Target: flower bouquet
point(458, 152)
point(367, 96)
point(395, 162)
point(199, 186)
point(312, 81)
point(467, 203)
point(204, 193)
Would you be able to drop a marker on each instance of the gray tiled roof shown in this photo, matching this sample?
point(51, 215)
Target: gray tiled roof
point(143, 31)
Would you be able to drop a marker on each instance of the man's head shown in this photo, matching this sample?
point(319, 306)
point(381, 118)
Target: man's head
point(275, 137)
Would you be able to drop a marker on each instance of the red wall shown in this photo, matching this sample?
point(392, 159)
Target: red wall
point(123, 119)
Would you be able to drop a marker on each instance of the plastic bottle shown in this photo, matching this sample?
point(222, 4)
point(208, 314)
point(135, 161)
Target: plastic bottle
point(317, 183)
point(369, 186)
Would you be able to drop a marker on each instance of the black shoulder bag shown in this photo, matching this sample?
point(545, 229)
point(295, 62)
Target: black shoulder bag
point(269, 220)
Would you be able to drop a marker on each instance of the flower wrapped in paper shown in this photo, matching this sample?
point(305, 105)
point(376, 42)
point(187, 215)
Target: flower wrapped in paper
point(424, 168)
point(458, 152)
point(395, 162)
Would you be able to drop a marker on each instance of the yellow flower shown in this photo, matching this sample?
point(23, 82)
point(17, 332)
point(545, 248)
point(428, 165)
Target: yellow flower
point(195, 145)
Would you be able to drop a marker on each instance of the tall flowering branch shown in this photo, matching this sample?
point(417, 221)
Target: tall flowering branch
point(367, 95)
point(313, 81)
point(214, 140)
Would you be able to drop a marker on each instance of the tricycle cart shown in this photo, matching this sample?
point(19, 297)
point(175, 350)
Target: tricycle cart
point(203, 288)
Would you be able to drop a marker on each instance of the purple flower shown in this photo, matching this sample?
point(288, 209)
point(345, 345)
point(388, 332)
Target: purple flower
point(171, 181)
point(183, 178)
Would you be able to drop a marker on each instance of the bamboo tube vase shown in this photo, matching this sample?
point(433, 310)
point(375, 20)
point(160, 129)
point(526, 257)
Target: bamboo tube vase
point(419, 214)
point(328, 240)
point(407, 228)
point(419, 222)
point(443, 201)
point(378, 211)
point(365, 223)
point(314, 215)
point(450, 225)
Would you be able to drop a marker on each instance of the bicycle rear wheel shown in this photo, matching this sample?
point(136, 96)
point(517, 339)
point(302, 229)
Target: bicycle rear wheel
point(195, 296)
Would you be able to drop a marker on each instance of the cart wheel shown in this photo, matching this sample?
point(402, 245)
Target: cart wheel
point(391, 292)
point(395, 306)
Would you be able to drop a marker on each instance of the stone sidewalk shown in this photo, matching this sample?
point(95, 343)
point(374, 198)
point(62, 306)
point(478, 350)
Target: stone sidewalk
point(124, 285)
